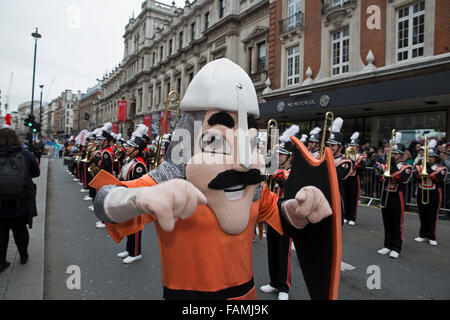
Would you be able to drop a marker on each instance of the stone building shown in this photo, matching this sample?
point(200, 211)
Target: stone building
point(165, 46)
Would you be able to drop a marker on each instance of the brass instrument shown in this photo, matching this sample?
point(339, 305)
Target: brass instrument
point(172, 97)
point(118, 154)
point(88, 151)
point(387, 173)
point(93, 168)
point(271, 124)
point(350, 153)
point(328, 122)
point(424, 174)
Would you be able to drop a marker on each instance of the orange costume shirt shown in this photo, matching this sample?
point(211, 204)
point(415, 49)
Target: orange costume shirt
point(200, 260)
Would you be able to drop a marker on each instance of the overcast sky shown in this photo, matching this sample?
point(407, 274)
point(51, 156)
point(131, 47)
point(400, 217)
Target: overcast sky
point(81, 40)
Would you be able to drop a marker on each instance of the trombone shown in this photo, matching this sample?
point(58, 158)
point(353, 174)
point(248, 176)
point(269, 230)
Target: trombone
point(172, 98)
point(424, 175)
point(328, 122)
point(387, 172)
point(271, 124)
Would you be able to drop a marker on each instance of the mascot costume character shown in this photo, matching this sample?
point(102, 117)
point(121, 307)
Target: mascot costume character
point(206, 197)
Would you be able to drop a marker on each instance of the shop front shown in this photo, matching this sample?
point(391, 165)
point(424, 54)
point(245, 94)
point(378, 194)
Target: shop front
point(413, 105)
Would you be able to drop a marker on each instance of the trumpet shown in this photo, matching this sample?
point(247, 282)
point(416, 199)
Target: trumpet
point(424, 174)
point(271, 124)
point(172, 97)
point(118, 154)
point(88, 152)
point(387, 173)
point(328, 122)
point(350, 153)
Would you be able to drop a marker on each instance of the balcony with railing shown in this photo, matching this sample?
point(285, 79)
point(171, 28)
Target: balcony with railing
point(336, 10)
point(292, 25)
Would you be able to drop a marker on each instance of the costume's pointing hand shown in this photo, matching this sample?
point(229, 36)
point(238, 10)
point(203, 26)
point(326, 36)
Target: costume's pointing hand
point(169, 201)
point(309, 205)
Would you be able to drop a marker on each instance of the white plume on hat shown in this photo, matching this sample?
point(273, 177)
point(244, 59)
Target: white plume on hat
point(304, 138)
point(119, 136)
point(432, 144)
point(397, 138)
point(140, 131)
point(354, 136)
point(316, 130)
point(337, 125)
point(108, 127)
point(289, 132)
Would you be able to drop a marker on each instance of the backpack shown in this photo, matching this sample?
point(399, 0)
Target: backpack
point(13, 177)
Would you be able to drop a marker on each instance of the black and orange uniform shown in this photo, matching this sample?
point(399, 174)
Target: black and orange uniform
point(279, 246)
point(393, 203)
point(133, 169)
point(225, 259)
point(107, 161)
point(430, 190)
point(353, 187)
point(96, 160)
point(343, 169)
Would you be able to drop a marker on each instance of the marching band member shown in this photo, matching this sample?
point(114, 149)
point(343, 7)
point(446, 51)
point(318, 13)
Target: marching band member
point(392, 199)
point(120, 154)
point(343, 165)
point(206, 197)
point(107, 155)
point(353, 182)
point(133, 169)
point(429, 211)
point(94, 160)
point(314, 142)
point(279, 246)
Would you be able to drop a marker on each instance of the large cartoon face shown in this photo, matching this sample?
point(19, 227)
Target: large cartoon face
point(215, 169)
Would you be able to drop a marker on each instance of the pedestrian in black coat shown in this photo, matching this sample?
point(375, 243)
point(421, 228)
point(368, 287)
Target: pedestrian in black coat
point(16, 214)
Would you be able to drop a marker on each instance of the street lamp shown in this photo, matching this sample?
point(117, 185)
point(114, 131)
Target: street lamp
point(40, 111)
point(36, 36)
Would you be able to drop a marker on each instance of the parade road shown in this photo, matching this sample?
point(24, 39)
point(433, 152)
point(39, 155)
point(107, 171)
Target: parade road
point(81, 262)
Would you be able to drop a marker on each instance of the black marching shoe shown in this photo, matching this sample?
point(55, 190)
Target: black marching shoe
point(4, 265)
point(24, 259)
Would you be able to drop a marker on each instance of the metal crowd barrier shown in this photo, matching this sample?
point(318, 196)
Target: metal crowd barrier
point(371, 190)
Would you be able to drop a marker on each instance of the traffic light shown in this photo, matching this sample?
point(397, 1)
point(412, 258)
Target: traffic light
point(29, 121)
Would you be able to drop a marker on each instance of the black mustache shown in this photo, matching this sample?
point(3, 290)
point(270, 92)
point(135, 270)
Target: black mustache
point(232, 178)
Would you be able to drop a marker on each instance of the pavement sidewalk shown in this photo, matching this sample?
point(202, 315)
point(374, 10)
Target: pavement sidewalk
point(26, 282)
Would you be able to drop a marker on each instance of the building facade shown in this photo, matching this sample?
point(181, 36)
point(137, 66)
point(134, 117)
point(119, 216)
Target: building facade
point(165, 46)
point(84, 109)
point(378, 64)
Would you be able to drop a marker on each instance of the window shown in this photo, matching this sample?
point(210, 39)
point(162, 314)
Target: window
point(170, 46)
point(159, 94)
point(250, 58)
point(222, 5)
point(294, 7)
point(191, 76)
point(262, 57)
point(340, 51)
point(293, 66)
point(179, 85)
point(180, 40)
point(192, 31)
point(161, 53)
point(410, 31)
point(206, 20)
point(154, 58)
point(151, 95)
